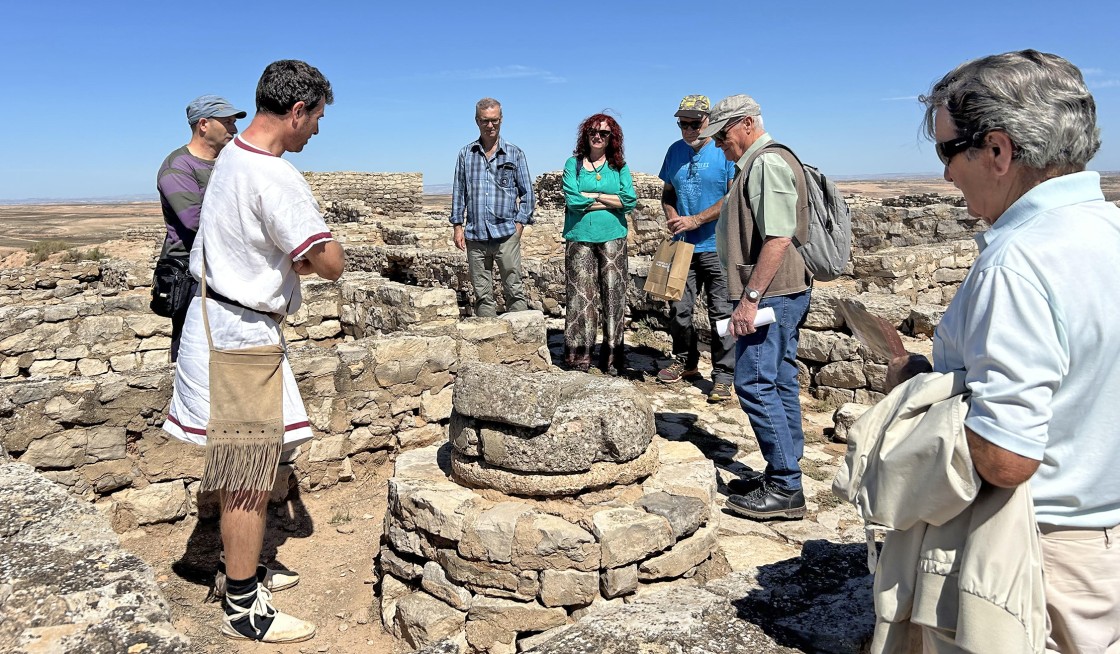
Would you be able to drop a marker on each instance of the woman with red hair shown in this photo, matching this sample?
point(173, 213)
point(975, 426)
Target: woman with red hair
point(599, 193)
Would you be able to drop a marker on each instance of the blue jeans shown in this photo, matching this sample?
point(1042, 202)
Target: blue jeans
point(766, 383)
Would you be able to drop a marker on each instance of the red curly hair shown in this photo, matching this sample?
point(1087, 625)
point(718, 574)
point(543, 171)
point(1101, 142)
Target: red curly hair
point(615, 156)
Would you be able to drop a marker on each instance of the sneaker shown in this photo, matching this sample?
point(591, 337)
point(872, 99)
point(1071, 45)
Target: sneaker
point(721, 392)
point(273, 580)
point(261, 621)
point(746, 483)
point(768, 502)
point(675, 372)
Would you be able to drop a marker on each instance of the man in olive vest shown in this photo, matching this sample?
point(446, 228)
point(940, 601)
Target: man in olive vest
point(765, 210)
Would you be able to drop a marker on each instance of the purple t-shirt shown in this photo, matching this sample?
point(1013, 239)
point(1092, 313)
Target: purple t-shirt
point(181, 181)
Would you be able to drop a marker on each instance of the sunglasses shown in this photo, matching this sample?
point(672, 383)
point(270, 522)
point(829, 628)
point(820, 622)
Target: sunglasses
point(601, 133)
point(721, 135)
point(946, 150)
point(489, 121)
point(690, 124)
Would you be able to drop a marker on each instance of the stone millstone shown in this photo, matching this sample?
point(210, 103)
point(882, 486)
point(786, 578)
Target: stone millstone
point(585, 420)
point(491, 391)
point(479, 474)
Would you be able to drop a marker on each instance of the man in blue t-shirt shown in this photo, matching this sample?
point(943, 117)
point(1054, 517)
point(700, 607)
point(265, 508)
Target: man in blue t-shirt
point(696, 176)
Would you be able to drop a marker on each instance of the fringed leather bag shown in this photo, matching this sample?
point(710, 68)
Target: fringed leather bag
point(246, 430)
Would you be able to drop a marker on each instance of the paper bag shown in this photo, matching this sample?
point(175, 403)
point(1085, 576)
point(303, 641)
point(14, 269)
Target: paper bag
point(668, 272)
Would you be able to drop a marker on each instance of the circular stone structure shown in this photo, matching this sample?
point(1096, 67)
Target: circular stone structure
point(490, 569)
point(534, 541)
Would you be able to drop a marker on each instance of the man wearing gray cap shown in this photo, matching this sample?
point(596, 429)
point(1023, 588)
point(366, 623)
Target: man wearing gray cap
point(182, 178)
point(766, 208)
point(696, 176)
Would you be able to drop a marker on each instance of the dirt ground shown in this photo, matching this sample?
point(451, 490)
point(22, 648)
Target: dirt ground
point(79, 225)
point(330, 538)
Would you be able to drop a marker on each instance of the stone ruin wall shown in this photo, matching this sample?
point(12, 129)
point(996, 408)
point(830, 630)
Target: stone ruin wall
point(345, 196)
point(85, 380)
point(81, 326)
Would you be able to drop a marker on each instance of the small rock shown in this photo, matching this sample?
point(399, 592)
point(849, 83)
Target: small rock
point(345, 529)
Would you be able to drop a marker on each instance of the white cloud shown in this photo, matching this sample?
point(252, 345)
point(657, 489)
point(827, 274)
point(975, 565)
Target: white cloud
point(1089, 72)
point(505, 72)
point(1104, 84)
point(900, 98)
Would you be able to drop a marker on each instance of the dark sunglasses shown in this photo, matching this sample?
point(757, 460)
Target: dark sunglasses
point(946, 150)
point(690, 124)
point(601, 133)
point(721, 135)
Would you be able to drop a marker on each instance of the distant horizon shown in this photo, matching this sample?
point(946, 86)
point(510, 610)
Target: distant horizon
point(429, 189)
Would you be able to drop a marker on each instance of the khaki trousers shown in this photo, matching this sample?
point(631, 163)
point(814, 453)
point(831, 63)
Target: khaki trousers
point(1081, 570)
point(481, 256)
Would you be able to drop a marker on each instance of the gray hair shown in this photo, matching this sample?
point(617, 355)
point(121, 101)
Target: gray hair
point(484, 104)
point(1040, 100)
point(758, 122)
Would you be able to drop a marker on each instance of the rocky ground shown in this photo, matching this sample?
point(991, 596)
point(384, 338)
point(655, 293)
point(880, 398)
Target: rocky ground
point(331, 537)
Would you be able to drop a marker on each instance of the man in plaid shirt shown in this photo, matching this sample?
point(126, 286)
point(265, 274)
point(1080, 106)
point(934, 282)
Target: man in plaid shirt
point(492, 201)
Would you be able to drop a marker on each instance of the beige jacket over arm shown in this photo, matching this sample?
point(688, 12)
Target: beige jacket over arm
point(963, 556)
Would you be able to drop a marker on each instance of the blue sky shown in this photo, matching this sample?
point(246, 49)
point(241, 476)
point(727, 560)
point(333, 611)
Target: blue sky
point(95, 92)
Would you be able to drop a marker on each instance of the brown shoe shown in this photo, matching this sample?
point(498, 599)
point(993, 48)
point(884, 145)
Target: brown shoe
point(675, 372)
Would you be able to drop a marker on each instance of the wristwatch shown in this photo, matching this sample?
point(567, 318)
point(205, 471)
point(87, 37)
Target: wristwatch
point(752, 295)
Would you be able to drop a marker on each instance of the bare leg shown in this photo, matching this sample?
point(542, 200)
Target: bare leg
point(243, 516)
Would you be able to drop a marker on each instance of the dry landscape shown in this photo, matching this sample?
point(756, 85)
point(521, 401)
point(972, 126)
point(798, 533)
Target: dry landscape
point(334, 552)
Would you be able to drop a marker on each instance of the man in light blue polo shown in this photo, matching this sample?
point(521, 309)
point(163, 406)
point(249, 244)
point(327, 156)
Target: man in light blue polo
point(696, 176)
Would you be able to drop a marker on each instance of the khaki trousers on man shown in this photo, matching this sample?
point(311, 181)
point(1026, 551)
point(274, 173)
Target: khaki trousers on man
point(481, 256)
point(1081, 569)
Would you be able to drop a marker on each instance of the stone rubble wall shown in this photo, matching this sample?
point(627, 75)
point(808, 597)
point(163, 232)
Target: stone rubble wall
point(549, 189)
point(100, 435)
point(66, 584)
point(489, 570)
point(388, 194)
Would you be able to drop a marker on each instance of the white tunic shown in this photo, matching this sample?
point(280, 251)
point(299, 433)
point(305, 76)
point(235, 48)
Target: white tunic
point(258, 217)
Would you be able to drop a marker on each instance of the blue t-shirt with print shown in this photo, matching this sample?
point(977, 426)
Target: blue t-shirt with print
point(700, 180)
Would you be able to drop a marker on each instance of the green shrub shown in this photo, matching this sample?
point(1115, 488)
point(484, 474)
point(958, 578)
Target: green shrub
point(40, 250)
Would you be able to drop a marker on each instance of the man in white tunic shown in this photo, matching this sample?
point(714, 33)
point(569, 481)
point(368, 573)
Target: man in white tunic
point(260, 231)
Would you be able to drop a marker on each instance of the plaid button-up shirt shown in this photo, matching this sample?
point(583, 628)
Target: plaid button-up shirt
point(491, 196)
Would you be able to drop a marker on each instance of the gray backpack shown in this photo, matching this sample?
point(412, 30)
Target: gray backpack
point(829, 246)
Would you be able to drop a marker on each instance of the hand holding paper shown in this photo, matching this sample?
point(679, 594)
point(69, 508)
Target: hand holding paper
point(765, 316)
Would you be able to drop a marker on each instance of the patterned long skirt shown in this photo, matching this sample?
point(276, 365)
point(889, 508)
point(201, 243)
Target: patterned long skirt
point(596, 278)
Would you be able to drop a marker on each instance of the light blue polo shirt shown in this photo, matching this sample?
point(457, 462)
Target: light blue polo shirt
point(700, 180)
point(1036, 327)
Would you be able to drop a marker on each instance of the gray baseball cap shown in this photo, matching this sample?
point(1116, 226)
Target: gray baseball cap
point(211, 106)
point(728, 109)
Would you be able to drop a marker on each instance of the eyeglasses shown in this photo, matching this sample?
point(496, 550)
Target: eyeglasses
point(601, 133)
point(946, 150)
point(690, 124)
point(489, 121)
point(721, 135)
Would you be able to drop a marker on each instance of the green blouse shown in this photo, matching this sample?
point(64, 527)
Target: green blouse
point(601, 225)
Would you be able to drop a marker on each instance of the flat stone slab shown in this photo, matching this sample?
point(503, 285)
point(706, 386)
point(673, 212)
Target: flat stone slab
point(548, 422)
point(66, 585)
point(525, 400)
point(479, 474)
